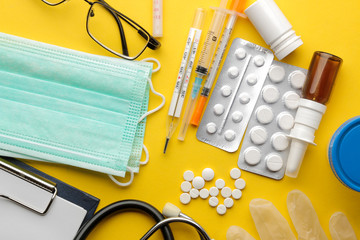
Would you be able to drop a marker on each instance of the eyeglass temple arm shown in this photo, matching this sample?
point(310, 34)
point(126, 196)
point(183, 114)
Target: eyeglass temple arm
point(125, 49)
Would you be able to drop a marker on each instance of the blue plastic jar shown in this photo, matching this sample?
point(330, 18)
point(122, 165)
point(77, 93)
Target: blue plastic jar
point(344, 153)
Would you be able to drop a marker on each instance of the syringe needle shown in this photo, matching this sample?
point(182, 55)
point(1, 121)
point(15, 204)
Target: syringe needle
point(166, 144)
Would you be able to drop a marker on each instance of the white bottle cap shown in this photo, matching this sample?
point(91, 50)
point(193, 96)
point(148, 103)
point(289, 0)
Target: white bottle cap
point(273, 26)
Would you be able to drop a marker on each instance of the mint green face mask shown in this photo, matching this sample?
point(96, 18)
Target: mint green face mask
point(70, 107)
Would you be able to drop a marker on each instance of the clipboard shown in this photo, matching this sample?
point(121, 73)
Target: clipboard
point(34, 205)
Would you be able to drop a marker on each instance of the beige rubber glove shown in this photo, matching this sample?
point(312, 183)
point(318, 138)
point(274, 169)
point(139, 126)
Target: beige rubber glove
point(237, 233)
point(340, 228)
point(269, 222)
point(303, 216)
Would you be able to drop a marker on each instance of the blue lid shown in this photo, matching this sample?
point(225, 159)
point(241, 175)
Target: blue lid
point(344, 153)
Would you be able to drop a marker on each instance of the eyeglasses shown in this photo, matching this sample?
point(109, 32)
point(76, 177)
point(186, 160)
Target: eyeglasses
point(114, 31)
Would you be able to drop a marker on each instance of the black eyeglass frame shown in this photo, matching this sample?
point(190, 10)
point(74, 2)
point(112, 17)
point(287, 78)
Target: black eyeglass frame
point(151, 42)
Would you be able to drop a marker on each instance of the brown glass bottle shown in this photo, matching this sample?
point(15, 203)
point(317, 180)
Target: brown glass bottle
point(321, 77)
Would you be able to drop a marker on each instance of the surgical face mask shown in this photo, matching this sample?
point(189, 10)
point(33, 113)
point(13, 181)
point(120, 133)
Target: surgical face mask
point(70, 107)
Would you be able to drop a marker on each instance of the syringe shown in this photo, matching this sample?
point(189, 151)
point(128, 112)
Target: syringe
point(202, 68)
point(236, 8)
point(184, 74)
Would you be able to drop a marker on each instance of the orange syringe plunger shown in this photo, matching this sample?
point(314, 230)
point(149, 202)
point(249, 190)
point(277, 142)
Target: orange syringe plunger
point(321, 77)
point(316, 92)
point(238, 6)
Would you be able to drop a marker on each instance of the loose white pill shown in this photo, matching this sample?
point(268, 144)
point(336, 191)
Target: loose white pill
point(233, 72)
point(204, 193)
point(221, 209)
point(235, 173)
point(251, 79)
point(270, 94)
point(185, 198)
point(279, 141)
point(194, 193)
point(237, 116)
point(188, 175)
point(213, 201)
point(285, 121)
point(218, 109)
point(198, 182)
point(258, 135)
point(240, 183)
point(259, 61)
point(229, 202)
point(240, 53)
point(211, 128)
point(297, 79)
point(229, 135)
point(226, 192)
point(264, 114)
point(185, 186)
point(214, 191)
point(226, 91)
point(291, 100)
point(252, 155)
point(244, 98)
point(208, 174)
point(220, 183)
point(274, 162)
point(276, 74)
point(236, 194)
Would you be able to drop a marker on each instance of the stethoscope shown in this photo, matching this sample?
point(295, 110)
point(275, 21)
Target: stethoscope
point(172, 213)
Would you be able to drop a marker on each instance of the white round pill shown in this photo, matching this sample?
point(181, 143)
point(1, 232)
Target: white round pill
point(185, 186)
point(185, 198)
point(297, 79)
point(226, 91)
point(220, 183)
point(229, 135)
point(264, 114)
point(252, 155)
point(258, 135)
point(233, 72)
point(208, 174)
point(285, 121)
point(270, 94)
point(213, 201)
point(204, 193)
point(291, 100)
point(259, 61)
point(219, 109)
point(235, 173)
point(244, 98)
point(276, 74)
point(188, 175)
point(226, 192)
point(214, 191)
point(198, 182)
point(274, 162)
point(279, 141)
point(194, 193)
point(211, 128)
point(229, 202)
point(221, 209)
point(236, 194)
point(240, 183)
point(251, 79)
point(237, 116)
point(240, 53)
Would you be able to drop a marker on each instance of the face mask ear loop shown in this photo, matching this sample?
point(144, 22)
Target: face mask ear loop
point(157, 108)
point(154, 60)
point(147, 156)
point(126, 183)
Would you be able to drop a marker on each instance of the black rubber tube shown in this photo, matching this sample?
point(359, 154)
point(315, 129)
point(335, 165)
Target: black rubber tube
point(123, 206)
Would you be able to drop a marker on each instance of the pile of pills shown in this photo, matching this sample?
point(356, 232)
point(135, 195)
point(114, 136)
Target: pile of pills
point(194, 187)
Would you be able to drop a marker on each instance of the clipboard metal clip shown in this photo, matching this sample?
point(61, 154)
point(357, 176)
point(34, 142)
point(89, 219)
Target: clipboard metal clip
point(26, 188)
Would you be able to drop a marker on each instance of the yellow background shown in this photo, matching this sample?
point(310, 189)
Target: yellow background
point(326, 25)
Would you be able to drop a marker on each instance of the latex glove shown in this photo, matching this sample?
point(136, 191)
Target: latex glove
point(340, 228)
point(237, 233)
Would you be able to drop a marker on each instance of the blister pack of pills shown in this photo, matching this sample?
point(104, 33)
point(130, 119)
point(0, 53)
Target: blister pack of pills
point(235, 95)
point(265, 147)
